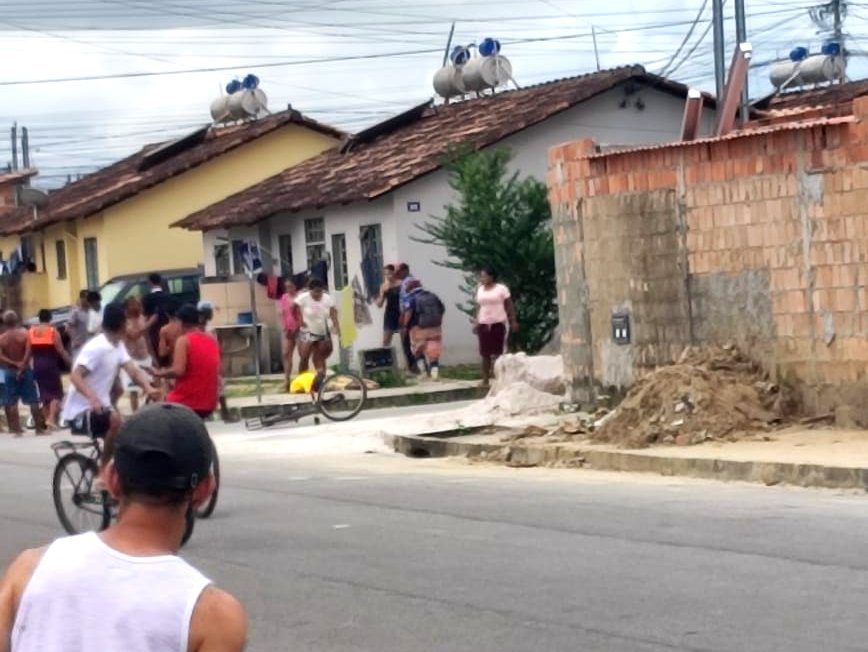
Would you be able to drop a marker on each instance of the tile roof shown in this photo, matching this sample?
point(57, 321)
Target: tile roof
point(827, 95)
point(16, 175)
point(732, 135)
point(408, 146)
point(148, 167)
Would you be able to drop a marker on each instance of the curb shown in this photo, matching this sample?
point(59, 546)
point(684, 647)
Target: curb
point(397, 400)
point(768, 473)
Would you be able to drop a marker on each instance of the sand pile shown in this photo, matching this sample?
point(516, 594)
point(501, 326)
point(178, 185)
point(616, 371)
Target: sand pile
point(709, 394)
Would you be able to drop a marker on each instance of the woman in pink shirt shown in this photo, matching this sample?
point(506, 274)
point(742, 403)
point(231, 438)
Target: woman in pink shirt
point(291, 322)
point(494, 310)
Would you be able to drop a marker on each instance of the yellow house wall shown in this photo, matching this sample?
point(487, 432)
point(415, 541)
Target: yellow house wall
point(139, 228)
point(135, 235)
point(60, 291)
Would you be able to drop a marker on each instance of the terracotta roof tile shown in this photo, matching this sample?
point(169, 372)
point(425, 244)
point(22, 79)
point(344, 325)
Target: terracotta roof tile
point(132, 175)
point(411, 145)
point(16, 175)
point(827, 95)
point(742, 133)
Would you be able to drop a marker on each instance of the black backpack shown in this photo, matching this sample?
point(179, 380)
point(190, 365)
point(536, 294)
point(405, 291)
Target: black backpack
point(429, 310)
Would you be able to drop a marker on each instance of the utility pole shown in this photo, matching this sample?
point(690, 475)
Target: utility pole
point(719, 48)
point(741, 37)
point(14, 146)
point(596, 51)
point(25, 148)
point(836, 8)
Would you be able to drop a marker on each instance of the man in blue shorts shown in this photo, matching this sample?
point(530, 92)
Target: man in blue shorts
point(17, 375)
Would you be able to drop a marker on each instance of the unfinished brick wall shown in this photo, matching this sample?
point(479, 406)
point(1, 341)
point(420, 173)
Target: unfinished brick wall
point(759, 239)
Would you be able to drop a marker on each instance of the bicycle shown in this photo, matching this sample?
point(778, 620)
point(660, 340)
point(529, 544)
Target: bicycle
point(79, 507)
point(339, 397)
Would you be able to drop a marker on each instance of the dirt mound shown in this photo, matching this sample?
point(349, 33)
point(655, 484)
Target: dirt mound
point(711, 393)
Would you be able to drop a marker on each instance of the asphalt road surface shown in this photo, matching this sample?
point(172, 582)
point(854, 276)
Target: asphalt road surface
point(334, 544)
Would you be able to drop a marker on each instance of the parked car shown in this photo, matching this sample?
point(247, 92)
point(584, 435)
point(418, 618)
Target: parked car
point(182, 284)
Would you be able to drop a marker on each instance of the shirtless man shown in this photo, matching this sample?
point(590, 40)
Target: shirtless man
point(136, 341)
point(17, 375)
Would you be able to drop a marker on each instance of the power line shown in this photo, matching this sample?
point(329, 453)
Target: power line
point(687, 36)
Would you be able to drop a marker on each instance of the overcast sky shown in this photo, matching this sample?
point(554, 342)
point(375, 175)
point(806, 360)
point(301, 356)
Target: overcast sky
point(345, 62)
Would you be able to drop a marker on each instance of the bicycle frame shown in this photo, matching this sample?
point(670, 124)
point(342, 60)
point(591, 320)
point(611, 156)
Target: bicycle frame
point(61, 448)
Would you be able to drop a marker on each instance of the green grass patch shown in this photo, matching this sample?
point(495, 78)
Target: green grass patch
point(388, 378)
point(461, 372)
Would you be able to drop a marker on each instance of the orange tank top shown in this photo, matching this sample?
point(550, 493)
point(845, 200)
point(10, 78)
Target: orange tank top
point(41, 336)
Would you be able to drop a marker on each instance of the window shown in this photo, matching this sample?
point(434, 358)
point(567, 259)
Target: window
point(91, 264)
point(27, 248)
point(238, 256)
point(371, 237)
point(60, 253)
point(284, 251)
point(222, 261)
point(314, 240)
point(339, 255)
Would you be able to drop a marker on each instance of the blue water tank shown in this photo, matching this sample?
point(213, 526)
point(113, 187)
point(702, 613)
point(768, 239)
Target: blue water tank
point(831, 48)
point(460, 55)
point(798, 54)
point(250, 82)
point(234, 86)
point(489, 47)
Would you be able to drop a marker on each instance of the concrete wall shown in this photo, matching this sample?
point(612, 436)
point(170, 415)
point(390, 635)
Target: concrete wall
point(769, 232)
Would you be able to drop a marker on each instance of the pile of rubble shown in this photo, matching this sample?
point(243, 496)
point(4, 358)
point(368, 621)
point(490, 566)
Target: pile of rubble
point(710, 394)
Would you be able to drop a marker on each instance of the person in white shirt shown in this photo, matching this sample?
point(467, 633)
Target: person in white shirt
point(126, 589)
point(88, 405)
point(315, 338)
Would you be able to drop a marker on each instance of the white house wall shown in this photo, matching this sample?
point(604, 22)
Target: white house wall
point(346, 220)
point(599, 118)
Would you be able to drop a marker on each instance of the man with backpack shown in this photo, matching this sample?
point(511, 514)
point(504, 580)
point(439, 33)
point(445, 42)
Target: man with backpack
point(423, 317)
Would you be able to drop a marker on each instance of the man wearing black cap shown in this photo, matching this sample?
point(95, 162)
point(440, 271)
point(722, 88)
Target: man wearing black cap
point(126, 588)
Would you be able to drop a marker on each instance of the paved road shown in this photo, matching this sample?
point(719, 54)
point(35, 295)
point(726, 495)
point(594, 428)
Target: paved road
point(335, 549)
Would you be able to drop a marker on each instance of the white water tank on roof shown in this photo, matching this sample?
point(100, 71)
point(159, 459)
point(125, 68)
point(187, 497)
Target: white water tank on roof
point(815, 69)
point(449, 81)
point(486, 72)
point(219, 110)
point(246, 104)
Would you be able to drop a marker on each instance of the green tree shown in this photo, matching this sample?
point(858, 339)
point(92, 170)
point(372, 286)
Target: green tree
point(502, 221)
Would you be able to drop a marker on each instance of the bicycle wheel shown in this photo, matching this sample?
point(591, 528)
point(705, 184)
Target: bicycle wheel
point(78, 507)
point(341, 396)
point(206, 509)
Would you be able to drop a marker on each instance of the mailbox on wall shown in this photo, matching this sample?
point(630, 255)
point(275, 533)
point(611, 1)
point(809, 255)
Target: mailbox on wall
point(621, 328)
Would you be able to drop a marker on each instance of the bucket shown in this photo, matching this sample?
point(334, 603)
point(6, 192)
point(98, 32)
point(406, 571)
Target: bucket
point(245, 317)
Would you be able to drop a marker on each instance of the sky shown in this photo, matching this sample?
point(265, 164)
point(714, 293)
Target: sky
point(95, 80)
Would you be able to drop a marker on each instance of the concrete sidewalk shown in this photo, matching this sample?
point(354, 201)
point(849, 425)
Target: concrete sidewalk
point(804, 457)
point(423, 393)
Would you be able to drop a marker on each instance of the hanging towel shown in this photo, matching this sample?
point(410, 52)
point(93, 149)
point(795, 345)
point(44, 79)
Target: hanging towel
point(346, 317)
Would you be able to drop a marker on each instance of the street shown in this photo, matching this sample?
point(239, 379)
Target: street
point(335, 544)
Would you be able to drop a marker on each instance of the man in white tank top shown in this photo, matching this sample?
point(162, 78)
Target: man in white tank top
point(126, 588)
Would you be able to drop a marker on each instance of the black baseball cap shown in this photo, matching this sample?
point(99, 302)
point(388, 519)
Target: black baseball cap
point(163, 447)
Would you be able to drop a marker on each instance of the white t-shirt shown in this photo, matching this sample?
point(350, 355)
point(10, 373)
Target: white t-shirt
point(103, 360)
point(492, 304)
point(94, 321)
point(315, 313)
